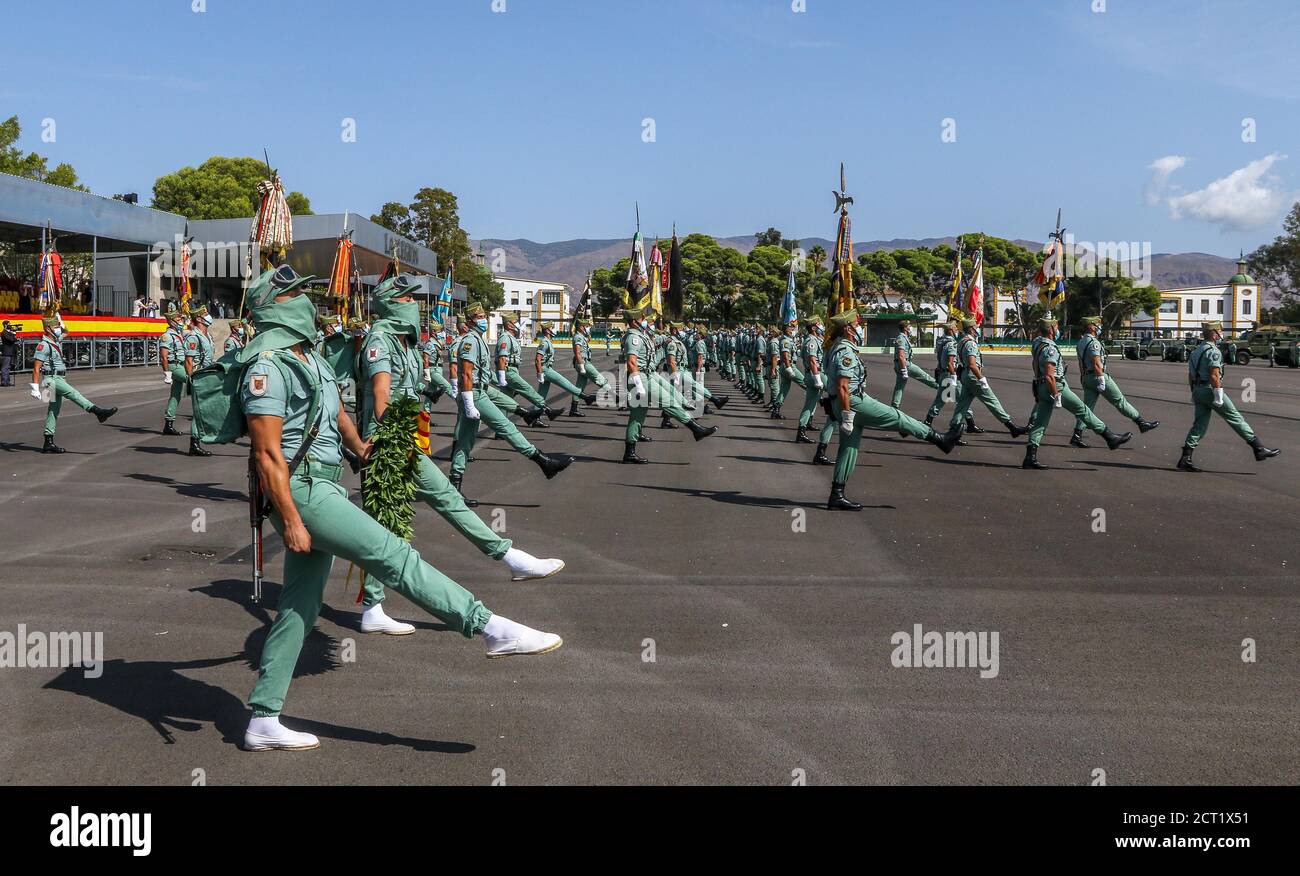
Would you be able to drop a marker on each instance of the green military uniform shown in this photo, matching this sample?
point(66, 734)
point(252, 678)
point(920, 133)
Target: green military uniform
point(509, 348)
point(946, 383)
point(971, 388)
point(814, 385)
point(786, 346)
point(1103, 385)
point(437, 384)
point(910, 370)
point(843, 362)
point(646, 386)
point(549, 376)
point(586, 371)
point(1049, 354)
point(692, 365)
point(236, 339)
point(54, 386)
point(199, 353)
point(172, 341)
point(1201, 365)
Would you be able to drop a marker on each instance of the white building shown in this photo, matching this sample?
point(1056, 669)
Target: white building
point(1236, 304)
point(533, 302)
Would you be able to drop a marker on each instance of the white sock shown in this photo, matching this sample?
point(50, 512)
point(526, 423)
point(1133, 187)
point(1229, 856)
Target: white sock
point(499, 627)
point(375, 613)
point(266, 726)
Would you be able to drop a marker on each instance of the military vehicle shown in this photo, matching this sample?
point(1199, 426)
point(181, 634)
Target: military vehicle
point(1277, 341)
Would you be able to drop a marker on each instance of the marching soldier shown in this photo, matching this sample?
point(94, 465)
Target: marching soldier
point(760, 364)
point(904, 368)
point(1098, 383)
point(585, 371)
point(787, 349)
point(391, 369)
point(509, 380)
point(435, 385)
point(856, 410)
point(1205, 377)
point(972, 384)
point(704, 351)
point(544, 361)
point(171, 355)
point(945, 373)
point(474, 369)
point(198, 354)
point(643, 384)
point(312, 512)
point(811, 355)
point(236, 340)
point(50, 385)
point(1053, 391)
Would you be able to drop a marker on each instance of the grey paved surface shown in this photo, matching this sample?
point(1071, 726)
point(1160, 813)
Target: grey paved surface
point(1118, 651)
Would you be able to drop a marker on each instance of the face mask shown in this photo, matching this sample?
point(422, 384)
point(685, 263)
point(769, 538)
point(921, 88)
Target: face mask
point(58, 332)
point(645, 325)
point(207, 320)
point(297, 316)
point(480, 324)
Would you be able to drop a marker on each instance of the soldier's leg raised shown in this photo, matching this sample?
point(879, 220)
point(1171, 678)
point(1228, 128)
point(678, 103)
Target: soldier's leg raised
point(516, 383)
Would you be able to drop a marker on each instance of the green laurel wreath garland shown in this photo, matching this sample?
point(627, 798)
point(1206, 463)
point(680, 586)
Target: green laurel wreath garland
point(390, 475)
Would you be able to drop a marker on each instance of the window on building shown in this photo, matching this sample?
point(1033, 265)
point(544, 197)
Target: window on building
point(1205, 306)
point(1171, 306)
point(514, 299)
point(1219, 306)
point(550, 297)
point(530, 301)
point(1189, 305)
point(1245, 308)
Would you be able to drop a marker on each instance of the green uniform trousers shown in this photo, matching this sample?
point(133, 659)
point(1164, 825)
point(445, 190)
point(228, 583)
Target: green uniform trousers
point(662, 394)
point(59, 389)
point(180, 380)
point(969, 390)
point(812, 396)
point(1069, 401)
point(1112, 395)
point(555, 378)
point(504, 403)
point(339, 528)
point(436, 380)
point(1203, 399)
point(587, 373)
point(870, 414)
point(492, 417)
point(433, 489)
point(516, 385)
point(914, 372)
point(694, 384)
point(783, 387)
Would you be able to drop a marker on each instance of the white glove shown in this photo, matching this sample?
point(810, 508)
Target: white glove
point(167, 378)
point(789, 372)
point(1056, 400)
point(699, 377)
point(1101, 383)
point(428, 375)
point(501, 379)
point(635, 381)
point(1219, 398)
point(541, 381)
point(984, 382)
point(846, 421)
point(467, 401)
point(36, 391)
point(818, 381)
point(903, 375)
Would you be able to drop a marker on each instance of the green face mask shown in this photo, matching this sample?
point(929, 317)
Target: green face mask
point(403, 314)
point(297, 316)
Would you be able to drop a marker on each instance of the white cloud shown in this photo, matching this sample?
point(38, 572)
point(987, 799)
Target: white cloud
point(1160, 169)
point(1244, 199)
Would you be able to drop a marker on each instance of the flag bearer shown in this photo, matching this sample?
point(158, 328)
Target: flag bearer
point(171, 355)
point(857, 411)
point(50, 385)
point(1053, 391)
point(904, 368)
point(1205, 377)
point(198, 354)
point(1098, 382)
point(312, 512)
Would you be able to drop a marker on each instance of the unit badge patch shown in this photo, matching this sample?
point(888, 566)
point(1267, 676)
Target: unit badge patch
point(373, 354)
point(257, 385)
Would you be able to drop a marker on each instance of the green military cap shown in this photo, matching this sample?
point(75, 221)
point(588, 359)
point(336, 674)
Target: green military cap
point(582, 322)
point(509, 317)
point(50, 323)
point(845, 319)
point(332, 319)
point(474, 311)
point(967, 322)
point(1215, 326)
point(548, 326)
point(1092, 320)
point(812, 321)
point(199, 312)
point(235, 324)
point(273, 282)
point(435, 325)
point(1047, 321)
point(356, 323)
point(631, 314)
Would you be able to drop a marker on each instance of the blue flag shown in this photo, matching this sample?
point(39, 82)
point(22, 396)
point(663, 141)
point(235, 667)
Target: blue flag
point(789, 310)
point(442, 312)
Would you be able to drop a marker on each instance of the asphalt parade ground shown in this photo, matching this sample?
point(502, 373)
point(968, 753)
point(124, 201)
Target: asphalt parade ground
point(719, 625)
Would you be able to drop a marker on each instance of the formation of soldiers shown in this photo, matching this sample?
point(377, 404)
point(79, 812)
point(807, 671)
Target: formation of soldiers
point(295, 365)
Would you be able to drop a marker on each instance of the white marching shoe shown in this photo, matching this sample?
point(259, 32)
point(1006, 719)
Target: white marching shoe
point(268, 734)
point(524, 566)
point(375, 621)
point(506, 638)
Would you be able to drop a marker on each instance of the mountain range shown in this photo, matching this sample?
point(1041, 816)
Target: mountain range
point(569, 261)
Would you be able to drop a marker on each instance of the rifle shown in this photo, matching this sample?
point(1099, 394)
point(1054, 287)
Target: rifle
point(256, 514)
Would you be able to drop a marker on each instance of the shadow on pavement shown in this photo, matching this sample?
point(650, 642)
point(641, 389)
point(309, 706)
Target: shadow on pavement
point(208, 491)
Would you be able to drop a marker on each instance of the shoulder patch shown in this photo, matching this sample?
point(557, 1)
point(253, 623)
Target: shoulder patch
point(372, 354)
point(40, 348)
point(847, 362)
point(257, 385)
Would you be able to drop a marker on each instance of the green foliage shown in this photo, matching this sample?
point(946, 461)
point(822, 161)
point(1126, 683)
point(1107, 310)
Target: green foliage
point(31, 165)
point(390, 475)
point(219, 188)
point(432, 218)
point(481, 287)
point(1277, 264)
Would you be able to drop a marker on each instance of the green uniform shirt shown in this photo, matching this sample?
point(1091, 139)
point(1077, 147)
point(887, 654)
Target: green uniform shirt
point(581, 344)
point(789, 346)
point(760, 349)
point(1047, 353)
point(509, 347)
point(811, 351)
point(198, 347)
point(50, 355)
point(637, 344)
point(1089, 346)
point(385, 354)
point(433, 349)
point(677, 350)
point(946, 347)
point(904, 343)
point(547, 351)
point(474, 350)
point(275, 389)
point(232, 343)
point(1203, 360)
point(844, 361)
point(966, 348)
point(703, 348)
point(171, 342)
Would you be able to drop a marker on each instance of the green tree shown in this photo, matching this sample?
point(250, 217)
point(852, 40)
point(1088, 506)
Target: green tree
point(219, 188)
point(1277, 264)
point(817, 258)
point(395, 217)
point(770, 237)
point(481, 287)
point(435, 222)
point(30, 165)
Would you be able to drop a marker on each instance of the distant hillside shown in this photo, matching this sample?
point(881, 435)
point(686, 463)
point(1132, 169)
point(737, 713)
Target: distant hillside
point(568, 261)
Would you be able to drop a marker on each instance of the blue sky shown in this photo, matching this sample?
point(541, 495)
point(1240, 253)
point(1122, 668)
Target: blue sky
point(534, 116)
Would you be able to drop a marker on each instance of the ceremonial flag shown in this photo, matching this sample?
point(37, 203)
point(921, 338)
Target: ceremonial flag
point(442, 310)
point(975, 291)
point(954, 287)
point(789, 309)
point(1049, 284)
point(49, 278)
point(842, 284)
point(654, 294)
point(675, 296)
point(341, 275)
point(637, 275)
